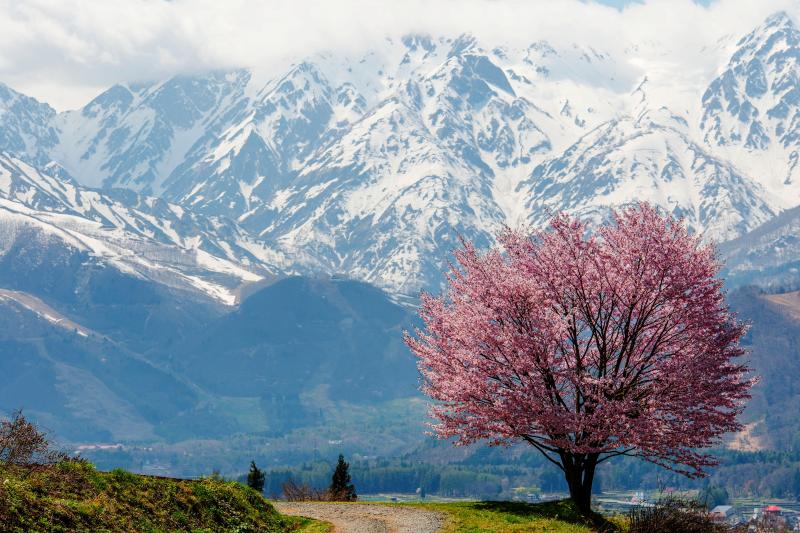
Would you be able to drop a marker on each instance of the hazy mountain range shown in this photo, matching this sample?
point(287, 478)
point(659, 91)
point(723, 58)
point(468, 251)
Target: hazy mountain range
point(370, 166)
point(140, 235)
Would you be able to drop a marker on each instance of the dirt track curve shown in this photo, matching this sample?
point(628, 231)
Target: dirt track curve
point(367, 518)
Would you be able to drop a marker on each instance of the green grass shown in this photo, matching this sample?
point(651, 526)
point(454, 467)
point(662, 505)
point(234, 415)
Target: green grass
point(73, 496)
point(515, 517)
point(306, 525)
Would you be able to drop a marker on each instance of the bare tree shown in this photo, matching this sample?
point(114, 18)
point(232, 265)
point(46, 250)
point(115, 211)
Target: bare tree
point(295, 492)
point(22, 443)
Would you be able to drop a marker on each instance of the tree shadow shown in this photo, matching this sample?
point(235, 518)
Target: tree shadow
point(564, 510)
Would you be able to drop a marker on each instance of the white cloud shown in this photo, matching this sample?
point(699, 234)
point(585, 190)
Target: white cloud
point(64, 52)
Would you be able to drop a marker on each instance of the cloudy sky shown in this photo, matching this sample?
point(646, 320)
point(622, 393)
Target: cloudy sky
point(65, 52)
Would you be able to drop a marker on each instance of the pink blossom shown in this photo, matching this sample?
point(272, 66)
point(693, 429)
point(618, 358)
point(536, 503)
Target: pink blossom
point(587, 346)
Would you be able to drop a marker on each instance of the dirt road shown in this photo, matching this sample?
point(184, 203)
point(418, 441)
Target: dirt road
point(367, 518)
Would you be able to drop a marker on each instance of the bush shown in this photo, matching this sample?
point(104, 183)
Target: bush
point(674, 515)
point(713, 495)
point(21, 443)
point(296, 492)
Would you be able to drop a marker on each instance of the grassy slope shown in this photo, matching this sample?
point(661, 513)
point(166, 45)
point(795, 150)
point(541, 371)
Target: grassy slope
point(514, 517)
point(73, 496)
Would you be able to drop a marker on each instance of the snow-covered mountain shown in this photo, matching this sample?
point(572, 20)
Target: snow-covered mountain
point(371, 165)
point(26, 126)
point(648, 158)
point(768, 256)
point(387, 198)
point(751, 111)
point(134, 136)
point(372, 174)
point(262, 142)
point(143, 237)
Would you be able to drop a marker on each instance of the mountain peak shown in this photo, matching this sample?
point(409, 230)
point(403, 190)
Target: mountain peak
point(413, 41)
point(779, 19)
point(639, 97)
point(769, 33)
point(753, 102)
point(463, 43)
point(25, 129)
point(8, 93)
point(303, 77)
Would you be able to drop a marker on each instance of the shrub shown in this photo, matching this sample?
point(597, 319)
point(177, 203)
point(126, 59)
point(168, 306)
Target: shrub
point(296, 492)
point(673, 515)
point(22, 443)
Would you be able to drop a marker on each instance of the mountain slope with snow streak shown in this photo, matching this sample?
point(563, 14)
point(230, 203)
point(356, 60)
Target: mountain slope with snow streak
point(751, 111)
point(139, 236)
point(649, 158)
point(26, 126)
point(372, 164)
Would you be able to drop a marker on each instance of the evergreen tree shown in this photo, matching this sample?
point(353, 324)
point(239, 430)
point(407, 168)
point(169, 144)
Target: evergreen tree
point(255, 478)
point(342, 489)
point(713, 495)
point(796, 487)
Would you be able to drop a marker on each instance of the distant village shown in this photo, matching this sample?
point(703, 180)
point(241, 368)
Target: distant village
point(760, 518)
point(755, 514)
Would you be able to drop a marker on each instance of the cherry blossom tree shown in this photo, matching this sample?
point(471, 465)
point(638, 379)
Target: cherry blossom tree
point(587, 346)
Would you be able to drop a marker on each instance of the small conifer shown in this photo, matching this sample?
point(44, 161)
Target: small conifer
point(255, 478)
point(342, 488)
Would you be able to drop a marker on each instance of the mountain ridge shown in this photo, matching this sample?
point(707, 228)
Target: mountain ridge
point(371, 165)
point(143, 237)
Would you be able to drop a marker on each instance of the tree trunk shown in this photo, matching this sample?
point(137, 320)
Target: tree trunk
point(579, 473)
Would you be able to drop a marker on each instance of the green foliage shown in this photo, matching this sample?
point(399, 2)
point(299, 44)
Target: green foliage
point(796, 482)
point(713, 495)
point(306, 525)
point(398, 475)
point(73, 496)
point(255, 478)
point(507, 517)
point(495, 473)
point(342, 487)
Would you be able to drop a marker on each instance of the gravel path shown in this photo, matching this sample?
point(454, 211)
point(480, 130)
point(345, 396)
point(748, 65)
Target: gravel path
point(367, 518)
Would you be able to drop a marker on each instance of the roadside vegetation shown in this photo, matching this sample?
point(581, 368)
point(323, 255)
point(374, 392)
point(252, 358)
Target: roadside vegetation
point(674, 514)
point(44, 490)
point(516, 517)
point(341, 488)
point(73, 496)
point(307, 525)
point(668, 515)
